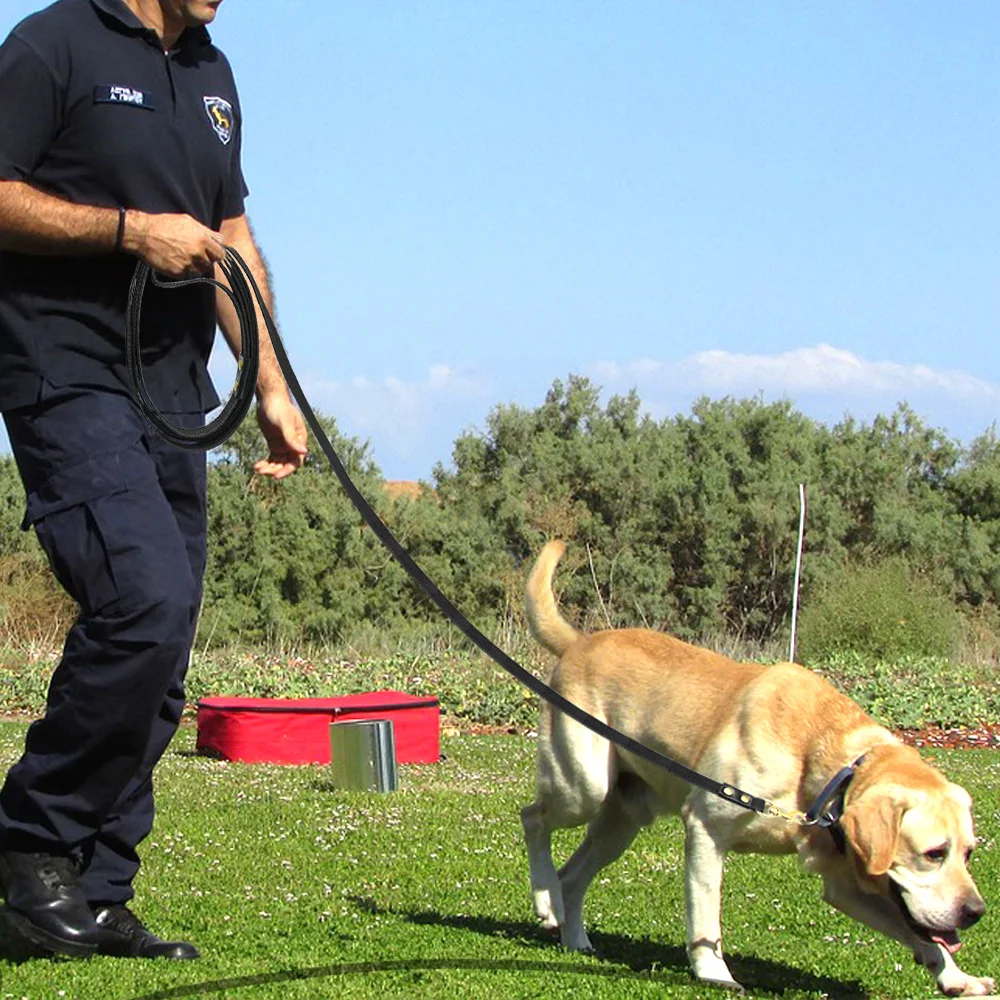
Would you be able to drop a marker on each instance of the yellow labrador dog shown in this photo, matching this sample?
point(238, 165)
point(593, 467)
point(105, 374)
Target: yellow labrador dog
point(896, 860)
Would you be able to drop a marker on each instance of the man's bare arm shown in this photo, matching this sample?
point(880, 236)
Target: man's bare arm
point(38, 223)
point(280, 422)
point(35, 222)
point(237, 234)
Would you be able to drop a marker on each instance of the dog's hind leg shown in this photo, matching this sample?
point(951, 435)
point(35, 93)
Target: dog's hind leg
point(623, 813)
point(544, 880)
point(575, 771)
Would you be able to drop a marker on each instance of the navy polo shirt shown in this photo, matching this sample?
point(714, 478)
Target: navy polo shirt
point(95, 112)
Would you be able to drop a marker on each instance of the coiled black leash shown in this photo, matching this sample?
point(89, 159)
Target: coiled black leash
point(223, 426)
point(242, 282)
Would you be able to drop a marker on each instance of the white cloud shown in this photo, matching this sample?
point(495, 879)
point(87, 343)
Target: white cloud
point(805, 371)
point(824, 382)
point(412, 423)
point(399, 416)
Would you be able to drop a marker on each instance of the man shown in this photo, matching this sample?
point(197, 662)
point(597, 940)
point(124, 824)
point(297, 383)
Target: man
point(120, 137)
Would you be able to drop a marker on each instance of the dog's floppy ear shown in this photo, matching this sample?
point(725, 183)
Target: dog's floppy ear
point(871, 826)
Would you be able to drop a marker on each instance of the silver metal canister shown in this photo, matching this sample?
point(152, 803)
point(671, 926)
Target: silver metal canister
point(363, 755)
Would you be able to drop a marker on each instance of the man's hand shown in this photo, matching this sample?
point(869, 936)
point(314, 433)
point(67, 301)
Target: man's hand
point(175, 245)
point(35, 222)
point(284, 431)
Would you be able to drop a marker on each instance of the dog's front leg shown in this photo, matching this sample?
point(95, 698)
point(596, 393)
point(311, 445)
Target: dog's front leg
point(703, 858)
point(882, 915)
point(951, 980)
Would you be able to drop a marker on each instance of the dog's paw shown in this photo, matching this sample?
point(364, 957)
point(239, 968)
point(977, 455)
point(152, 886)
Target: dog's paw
point(724, 984)
point(709, 967)
point(961, 985)
point(545, 911)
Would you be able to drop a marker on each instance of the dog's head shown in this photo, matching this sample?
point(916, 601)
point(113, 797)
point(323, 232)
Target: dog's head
point(910, 834)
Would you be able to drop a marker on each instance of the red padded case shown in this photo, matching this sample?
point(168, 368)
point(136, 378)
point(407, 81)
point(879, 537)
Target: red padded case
point(297, 730)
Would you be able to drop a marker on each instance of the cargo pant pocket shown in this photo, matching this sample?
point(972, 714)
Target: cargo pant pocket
point(73, 517)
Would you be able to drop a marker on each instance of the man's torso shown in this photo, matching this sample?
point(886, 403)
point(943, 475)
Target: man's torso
point(109, 119)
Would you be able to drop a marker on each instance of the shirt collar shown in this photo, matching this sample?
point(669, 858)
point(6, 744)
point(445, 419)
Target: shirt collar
point(122, 13)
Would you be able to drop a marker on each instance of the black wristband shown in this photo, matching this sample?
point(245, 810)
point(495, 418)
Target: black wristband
point(121, 229)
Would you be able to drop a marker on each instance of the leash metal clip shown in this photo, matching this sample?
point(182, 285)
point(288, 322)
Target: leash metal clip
point(792, 816)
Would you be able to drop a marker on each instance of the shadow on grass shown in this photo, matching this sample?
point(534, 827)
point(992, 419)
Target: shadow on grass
point(403, 965)
point(622, 958)
point(645, 958)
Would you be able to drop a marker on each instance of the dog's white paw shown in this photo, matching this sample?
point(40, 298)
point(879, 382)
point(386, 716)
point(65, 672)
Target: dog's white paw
point(726, 984)
point(962, 985)
point(710, 967)
point(545, 911)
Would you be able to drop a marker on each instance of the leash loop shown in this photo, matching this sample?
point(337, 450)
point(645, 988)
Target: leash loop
point(238, 404)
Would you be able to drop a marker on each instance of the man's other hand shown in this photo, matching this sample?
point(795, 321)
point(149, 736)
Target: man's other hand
point(284, 431)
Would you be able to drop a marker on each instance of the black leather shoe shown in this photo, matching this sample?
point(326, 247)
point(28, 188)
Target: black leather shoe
point(45, 905)
point(122, 933)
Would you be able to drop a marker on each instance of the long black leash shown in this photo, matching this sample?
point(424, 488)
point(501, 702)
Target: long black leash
point(232, 414)
point(241, 283)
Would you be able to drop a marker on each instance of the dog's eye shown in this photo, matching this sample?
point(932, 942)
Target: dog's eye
point(936, 854)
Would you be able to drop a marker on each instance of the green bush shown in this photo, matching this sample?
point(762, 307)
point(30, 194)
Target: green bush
point(687, 524)
point(883, 611)
point(917, 692)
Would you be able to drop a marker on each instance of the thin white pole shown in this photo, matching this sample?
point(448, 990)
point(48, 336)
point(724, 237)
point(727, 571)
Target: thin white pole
point(798, 568)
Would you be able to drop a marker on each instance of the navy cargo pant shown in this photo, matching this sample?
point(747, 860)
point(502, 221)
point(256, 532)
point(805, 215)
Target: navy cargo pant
point(121, 516)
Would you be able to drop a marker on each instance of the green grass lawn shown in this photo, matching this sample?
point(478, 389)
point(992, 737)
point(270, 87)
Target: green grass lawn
point(293, 889)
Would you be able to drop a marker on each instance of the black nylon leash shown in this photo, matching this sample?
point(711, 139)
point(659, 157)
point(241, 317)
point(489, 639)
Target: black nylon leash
point(242, 282)
point(238, 404)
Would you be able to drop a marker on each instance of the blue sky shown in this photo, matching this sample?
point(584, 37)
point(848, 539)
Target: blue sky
point(463, 200)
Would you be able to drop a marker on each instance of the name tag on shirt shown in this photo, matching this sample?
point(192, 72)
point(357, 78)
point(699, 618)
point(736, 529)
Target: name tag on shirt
point(105, 93)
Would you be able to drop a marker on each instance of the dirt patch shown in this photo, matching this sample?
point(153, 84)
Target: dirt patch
point(985, 736)
point(982, 737)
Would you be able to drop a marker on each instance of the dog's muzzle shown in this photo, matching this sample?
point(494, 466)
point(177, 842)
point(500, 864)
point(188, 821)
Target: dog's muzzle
point(947, 939)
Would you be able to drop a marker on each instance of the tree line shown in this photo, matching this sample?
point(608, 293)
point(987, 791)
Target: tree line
point(688, 523)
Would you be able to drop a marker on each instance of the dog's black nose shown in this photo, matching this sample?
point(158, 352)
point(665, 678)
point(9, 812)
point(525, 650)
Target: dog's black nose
point(971, 912)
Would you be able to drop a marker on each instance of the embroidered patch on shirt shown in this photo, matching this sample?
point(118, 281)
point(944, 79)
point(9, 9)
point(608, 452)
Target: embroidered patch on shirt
point(105, 93)
point(220, 114)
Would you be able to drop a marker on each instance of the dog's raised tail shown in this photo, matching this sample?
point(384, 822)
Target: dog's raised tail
point(546, 623)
